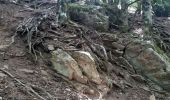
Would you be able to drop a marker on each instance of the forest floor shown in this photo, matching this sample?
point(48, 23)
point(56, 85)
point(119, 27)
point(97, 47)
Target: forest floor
point(21, 77)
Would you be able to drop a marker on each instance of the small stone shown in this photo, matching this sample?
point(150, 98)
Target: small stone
point(44, 72)
point(152, 97)
point(51, 47)
point(145, 88)
point(0, 98)
point(3, 47)
point(67, 89)
point(2, 75)
point(117, 46)
point(117, 53)
point(89, 91)
point(6, 66)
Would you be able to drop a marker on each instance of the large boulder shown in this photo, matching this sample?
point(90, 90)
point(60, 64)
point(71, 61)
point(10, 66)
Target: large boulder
point(79, 66)
point(89, 15)
point(64, 64)
point(88, 66)
point(146, 60)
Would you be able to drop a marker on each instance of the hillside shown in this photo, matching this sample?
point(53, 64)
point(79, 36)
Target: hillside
point(44, 59)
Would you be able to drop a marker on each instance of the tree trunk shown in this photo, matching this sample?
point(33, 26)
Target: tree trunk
point(147, 15)
point(124, 15)
point(139, 7)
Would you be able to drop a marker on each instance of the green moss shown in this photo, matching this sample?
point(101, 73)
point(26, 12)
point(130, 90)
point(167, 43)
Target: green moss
point(77, 7)
point(161, 52)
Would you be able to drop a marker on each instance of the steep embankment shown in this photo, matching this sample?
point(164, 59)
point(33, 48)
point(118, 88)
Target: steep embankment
point(79, 50)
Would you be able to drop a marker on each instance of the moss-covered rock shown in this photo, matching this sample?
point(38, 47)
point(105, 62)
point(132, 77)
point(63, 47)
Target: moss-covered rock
point(150, 62)
point(89, 15)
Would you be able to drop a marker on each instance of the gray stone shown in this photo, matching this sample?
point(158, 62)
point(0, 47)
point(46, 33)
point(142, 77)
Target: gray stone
point(2, 75)
point(149, 63)
point(6, 66)
point(89, 16)
point(51, 47)
point(3, 47)
point(118, 46)
point(117, 53)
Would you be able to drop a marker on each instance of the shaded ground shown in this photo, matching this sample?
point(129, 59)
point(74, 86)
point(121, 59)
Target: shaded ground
point(16, 60)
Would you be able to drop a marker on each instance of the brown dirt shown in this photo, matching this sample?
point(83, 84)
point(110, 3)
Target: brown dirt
point(17, 61)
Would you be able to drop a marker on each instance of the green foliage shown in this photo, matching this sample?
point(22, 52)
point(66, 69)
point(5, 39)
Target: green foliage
point(77, 7)
point(161, 7)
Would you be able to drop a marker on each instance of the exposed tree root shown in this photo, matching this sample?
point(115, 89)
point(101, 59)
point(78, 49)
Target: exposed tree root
point(29, 89)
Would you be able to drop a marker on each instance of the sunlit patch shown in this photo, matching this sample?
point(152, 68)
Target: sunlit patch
point(88, 54)
point(149, 42)
point(81, 2)
point(132, 10)
point(138, 31)
point(119, 6)
point(168, 18)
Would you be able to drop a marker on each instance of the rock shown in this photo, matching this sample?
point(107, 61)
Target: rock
point(64, 64)
point(109, 38)
point(50, 47)
point(118, 46)
point(89, 91)
point(104, 89)
point(44, 72)
point(2, 75)
point(134, 49)
point(89, 16)
point(6, 66)
point(3, 47)
point(117, 53)
point(149, 63)
point(152, 97)
point(88, 66)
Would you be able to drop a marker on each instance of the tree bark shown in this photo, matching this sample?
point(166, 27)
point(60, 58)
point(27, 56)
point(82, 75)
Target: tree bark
point(124, 15)
point(139, 7)
point(147, 15)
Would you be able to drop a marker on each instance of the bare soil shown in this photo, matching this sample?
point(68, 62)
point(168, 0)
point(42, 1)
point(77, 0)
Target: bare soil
point(16, 60)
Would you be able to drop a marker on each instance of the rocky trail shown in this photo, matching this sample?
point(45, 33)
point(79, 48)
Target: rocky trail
point(40, 60)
